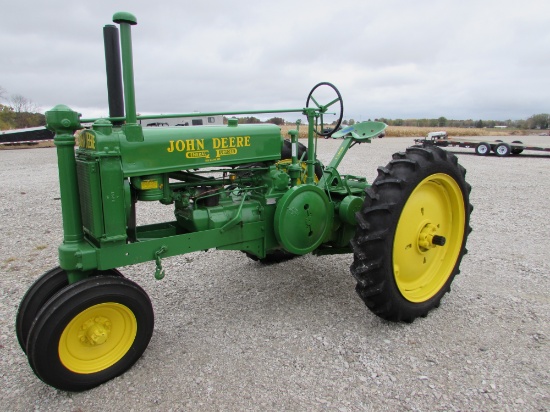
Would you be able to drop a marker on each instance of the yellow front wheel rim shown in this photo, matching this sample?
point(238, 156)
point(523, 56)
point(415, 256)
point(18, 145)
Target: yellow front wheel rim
point(97, 338)
point(434, 213)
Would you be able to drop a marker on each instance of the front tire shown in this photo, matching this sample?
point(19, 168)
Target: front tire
point(90, 332)
point(411, 233)
point(38, 294)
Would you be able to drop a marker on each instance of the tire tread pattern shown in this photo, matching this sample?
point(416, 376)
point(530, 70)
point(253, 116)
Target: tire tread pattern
point(377, 220)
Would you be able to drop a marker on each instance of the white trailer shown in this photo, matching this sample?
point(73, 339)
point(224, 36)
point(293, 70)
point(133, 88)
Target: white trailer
point(481, 147)
point(183, 121)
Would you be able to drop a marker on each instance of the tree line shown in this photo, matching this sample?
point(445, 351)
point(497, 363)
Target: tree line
point(537, 121)
point(19, 112)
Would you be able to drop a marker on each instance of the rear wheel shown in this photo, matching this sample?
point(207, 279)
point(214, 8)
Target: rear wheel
point(38, 294)
point(503, 149)
point(517, 149)
point(411, 233)
point(483, 149)
point(90, 332)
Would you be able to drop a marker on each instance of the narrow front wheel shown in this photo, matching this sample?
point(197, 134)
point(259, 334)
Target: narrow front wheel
point(38, 294)
point(90, 332)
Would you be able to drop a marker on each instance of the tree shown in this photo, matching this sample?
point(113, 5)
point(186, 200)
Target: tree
point(10, 119)
point(249, 120)
point(279, 121)
point(538, 121)
point(521, 124)
point(442, 122)
point(22, 104)
point(7, 118)
point(351, 122)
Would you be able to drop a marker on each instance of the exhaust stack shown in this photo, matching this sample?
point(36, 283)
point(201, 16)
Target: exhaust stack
point(114, 73)
point(131, 129)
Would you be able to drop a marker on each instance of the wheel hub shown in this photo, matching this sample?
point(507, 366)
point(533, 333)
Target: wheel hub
point(427, 239)
point(95, 331)
point(432, 216)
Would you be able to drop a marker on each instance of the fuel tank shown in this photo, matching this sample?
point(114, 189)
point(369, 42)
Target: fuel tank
point(168, 149)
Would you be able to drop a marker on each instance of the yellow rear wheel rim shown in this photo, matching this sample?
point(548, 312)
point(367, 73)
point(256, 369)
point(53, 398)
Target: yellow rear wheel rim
point(97, 338)
point(435, 207)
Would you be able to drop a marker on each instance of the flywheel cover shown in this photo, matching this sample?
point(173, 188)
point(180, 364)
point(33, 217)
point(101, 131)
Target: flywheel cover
point(302, 219)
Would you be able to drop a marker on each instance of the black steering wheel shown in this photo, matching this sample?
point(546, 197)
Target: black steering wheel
point(323, 108)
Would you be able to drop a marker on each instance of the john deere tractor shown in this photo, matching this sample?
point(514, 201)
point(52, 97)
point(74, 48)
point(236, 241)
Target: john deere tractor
point(241, 187)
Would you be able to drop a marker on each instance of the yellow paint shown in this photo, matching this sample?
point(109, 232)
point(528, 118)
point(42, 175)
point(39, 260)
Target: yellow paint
point(230, 142)
point(97, 338)
point(435, 207)
point(185, 145)
point(86, 140)
point(149, 184)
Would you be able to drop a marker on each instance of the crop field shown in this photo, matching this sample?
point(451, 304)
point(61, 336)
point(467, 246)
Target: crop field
point(411, 131)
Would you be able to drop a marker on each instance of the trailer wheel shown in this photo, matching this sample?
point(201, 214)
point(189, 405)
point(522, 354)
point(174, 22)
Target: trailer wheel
point(483, 149)
point(515, 149)
point(38, 294)
point(411, 233)
point(502, 149)
point(90, 332)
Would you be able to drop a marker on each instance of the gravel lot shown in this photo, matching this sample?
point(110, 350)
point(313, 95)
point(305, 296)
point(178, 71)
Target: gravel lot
point(231, 334)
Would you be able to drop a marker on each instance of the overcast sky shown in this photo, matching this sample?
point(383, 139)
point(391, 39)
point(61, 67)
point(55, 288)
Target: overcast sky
point(460, 59)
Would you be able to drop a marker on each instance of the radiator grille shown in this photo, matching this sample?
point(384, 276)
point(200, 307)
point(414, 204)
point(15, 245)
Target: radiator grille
point(89, 187)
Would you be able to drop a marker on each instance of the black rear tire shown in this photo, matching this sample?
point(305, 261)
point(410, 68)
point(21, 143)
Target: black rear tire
point(401, 271)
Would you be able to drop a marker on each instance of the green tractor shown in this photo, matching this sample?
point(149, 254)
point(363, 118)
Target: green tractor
point(235, 187)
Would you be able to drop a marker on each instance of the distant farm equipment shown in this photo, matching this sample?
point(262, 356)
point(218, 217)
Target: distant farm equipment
point(481, 147)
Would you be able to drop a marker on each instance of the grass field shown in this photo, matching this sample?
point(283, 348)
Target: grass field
point(410, 131)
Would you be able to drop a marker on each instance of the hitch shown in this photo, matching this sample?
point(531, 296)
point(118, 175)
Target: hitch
point(159, 272)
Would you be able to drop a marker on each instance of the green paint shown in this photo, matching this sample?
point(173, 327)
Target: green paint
point(225, 183)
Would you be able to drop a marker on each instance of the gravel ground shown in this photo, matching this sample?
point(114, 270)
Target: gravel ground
point(231, 334)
